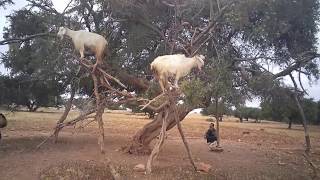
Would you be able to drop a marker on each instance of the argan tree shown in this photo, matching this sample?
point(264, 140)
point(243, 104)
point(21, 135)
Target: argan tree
point(247, 37)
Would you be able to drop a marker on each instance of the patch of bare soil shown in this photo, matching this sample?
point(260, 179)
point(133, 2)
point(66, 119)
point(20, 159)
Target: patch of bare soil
point(76, 170)
point(258, 154)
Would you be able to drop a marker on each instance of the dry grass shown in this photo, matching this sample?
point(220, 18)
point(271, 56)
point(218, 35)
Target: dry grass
point(194, 126)
point(259, 153)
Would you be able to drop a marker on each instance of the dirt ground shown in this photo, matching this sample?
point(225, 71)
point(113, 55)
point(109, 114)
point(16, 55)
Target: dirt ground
point(265, 150)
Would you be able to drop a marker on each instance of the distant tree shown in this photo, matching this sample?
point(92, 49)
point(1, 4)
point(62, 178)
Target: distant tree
point(247, 112)
point(39, 73)
point(32, 94)
point(282, 108)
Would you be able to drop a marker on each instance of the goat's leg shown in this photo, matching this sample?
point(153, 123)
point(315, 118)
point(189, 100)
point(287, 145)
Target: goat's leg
point(99, 57)
point(177, 77)
point(176, 84)
point(81, 51)
point(162, 84)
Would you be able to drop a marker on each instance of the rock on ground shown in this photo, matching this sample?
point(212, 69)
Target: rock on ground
point(201, 166)
point(139, 168)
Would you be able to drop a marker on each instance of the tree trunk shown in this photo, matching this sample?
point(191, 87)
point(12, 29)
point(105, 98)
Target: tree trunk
point(99, 113)
point(290, 123)
point(143, 138)
point(217, 122)
point(304, 120)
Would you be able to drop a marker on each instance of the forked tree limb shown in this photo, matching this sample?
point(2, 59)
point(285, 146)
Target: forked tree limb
point(173, 106)
point(111, 77)
point(153, 100)
point(65, 113)
point(89, 65)
point(69, 123)
point(170, 108)
point(155, 152)
point(158, 109)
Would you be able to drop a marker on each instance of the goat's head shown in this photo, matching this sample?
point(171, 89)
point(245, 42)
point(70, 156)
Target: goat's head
point(62, 32)
point(200, 61)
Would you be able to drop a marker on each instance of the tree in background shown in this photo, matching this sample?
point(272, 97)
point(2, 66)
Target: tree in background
point(282, 108)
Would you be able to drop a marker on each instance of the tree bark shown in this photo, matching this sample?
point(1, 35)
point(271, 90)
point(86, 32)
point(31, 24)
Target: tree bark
point(217, 122)
point(156, 149)
point(304, 120)
point(143, 137)
point(290, 123)
point(99, 113)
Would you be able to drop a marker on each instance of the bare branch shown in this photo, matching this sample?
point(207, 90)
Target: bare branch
point(154, 99)
point(300, 82)
point(27, 38)
point(42, 5)
point(214, 22)
point(305, 58)
point(68, 5)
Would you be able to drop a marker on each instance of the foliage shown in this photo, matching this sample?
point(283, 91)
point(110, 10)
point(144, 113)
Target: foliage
point(4, 3)
point(193, 91)
point(20, 91)
point(248, 112)
point(39, 73)
point(242, 39)
point(282, 108)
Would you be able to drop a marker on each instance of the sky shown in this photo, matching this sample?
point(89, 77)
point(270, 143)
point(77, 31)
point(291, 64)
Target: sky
point(312, 89)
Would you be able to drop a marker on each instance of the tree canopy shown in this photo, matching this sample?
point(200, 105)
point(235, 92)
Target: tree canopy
point(240, 39)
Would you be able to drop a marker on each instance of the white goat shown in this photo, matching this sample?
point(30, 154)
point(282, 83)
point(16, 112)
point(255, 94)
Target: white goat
point(176, 66)
point(83, 40)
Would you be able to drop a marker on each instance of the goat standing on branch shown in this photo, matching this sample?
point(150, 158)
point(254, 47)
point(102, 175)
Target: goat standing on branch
point(176, 66)
point(84, 40)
